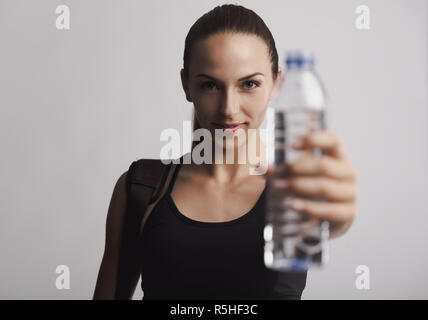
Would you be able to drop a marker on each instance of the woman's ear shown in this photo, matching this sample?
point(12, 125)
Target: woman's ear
point(279, 73)
point(185, 85)
point(277, 85)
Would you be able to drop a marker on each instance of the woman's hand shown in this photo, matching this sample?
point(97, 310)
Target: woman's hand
point(330, 177)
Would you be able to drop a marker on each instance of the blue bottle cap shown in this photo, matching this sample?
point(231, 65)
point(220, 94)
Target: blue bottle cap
point(299, 58)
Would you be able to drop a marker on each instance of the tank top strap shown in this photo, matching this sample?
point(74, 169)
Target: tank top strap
point(174, 177)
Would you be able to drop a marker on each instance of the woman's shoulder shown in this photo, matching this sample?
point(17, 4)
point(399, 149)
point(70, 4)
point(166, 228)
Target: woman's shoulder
point(120, 186)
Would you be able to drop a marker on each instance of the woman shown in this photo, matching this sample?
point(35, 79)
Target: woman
point(204, 238)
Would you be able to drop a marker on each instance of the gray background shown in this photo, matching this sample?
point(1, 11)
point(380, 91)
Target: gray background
point(78, 106)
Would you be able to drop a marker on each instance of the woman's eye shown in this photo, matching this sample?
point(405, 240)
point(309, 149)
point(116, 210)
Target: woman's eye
point(248, 85)
point(208, 85)
point(251, 84)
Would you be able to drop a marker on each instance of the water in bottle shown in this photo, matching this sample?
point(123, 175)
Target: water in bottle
point(293, 241)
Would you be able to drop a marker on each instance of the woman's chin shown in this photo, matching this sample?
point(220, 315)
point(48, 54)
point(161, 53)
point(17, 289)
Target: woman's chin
point(230, 146)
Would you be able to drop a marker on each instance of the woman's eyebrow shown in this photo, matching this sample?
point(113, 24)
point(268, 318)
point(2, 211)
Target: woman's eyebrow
point(243, 78)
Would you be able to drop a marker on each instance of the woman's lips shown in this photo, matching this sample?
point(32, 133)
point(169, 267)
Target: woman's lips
point(229, 127)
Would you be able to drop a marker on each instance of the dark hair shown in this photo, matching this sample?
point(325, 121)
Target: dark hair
point(228, 18)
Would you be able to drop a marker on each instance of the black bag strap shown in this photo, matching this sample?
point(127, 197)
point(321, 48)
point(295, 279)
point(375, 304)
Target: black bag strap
point(144, 182)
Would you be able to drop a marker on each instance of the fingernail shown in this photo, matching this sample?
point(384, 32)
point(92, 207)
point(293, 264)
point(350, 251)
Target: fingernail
point(298, 143)
point(297, 204)
point(282, 170)
point(280, 184)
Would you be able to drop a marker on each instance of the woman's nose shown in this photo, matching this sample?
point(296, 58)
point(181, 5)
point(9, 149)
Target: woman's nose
point(230, 104)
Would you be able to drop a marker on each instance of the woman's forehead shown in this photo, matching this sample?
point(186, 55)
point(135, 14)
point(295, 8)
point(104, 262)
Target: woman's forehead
point(228, 51)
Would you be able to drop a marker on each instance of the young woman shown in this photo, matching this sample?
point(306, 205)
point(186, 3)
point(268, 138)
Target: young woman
point(204, 238)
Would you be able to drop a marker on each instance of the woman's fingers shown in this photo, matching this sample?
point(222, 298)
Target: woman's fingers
point(326, 188)
point(334, 212)
point(325, 140)
point(307, 164)
point(334, 163)
point(329, 177)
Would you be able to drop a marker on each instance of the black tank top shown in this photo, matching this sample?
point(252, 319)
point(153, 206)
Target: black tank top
point(187, 259)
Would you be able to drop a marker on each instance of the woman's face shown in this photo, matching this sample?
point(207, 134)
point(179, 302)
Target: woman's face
point(230, 81)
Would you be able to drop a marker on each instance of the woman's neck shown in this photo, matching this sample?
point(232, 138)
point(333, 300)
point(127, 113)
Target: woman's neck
point(245, 161)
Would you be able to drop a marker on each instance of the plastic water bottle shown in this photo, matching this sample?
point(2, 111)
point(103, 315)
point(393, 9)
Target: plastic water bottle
point(293, 241)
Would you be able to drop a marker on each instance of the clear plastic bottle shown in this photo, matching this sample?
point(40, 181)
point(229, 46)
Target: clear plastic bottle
point(294, 241)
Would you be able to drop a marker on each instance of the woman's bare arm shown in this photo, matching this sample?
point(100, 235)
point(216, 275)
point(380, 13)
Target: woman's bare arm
point(106, 281)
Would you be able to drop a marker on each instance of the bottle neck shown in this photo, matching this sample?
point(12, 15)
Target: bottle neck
point(300, 67)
